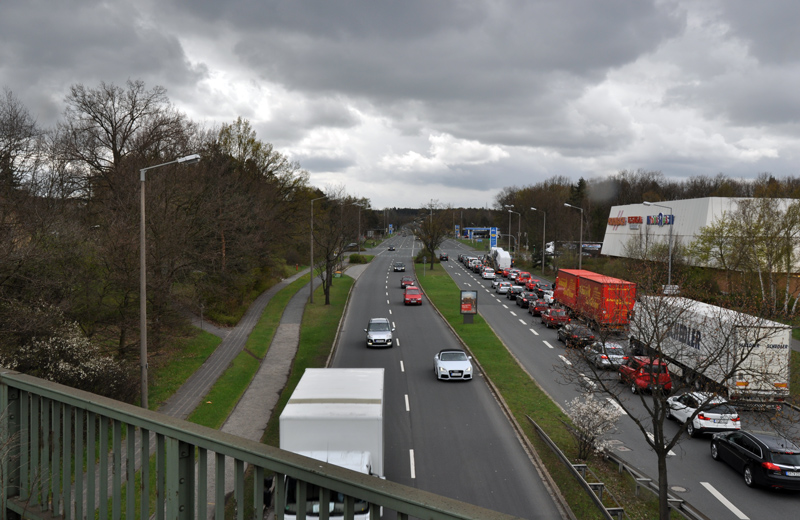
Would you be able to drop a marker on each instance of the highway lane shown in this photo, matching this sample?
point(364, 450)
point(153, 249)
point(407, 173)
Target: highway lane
point(450, 438)
point(713, 487)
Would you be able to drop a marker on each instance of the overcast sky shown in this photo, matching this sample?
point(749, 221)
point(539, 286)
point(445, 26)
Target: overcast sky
point(404, 101)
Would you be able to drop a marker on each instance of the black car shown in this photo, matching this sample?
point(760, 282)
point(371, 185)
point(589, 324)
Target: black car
point(763, 458)
point(443, 257)
point(513, 291)
point(575, 335)
point(399, 267)
point(525, 298)
point(391, 248)
point(541, 287)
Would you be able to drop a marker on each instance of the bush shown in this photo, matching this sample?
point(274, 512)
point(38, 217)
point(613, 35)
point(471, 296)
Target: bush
point(355, 258)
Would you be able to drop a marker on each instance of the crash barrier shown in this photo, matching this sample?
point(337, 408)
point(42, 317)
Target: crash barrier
point(642, 481)
point(71, 454)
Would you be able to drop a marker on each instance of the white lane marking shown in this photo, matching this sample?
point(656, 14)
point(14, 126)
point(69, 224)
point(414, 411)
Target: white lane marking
point(522, 321)
point(468, 285)
point(650, 436)
point(513, 313)
point(616, 405)
point(397, 342)
point(402, 366)
point(387, 293)
point(390, 311)
point(387, 301)
point(408, 408)
point(413, 469)
point(725, 502)
point(588, 382)
point(535, 333)
point(394, 326)
point(505, 306)
point(565, 360)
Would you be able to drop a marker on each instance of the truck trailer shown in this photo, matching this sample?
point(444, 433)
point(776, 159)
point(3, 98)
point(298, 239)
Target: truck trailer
point(709, 347)
point(335, 415)
point(603, 301)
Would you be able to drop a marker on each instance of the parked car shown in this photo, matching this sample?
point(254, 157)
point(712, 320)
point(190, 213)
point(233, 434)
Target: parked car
point(503, 288)
point(443, 257)
point(452, 364)
point(514, 291)
point(575, 335)
point(412, 296)
point(379, 333)
point(406, 281)
point(608, 355)
point(645, 373)
point(554, 317)
point(716, 414)
point(536, 308)
point(761, 458)
point(399, 267)
point(524, 298)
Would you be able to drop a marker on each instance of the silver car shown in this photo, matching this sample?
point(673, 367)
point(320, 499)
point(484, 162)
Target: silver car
point(379, 333)
point(716, 414)
point(610, 355)
point(452, 364)
point(503, 287)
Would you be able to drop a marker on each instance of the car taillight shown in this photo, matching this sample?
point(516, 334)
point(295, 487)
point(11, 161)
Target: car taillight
point(770, 466)
point(625, 357)
point(603, 357)
point(702, 417)
point(736, 419)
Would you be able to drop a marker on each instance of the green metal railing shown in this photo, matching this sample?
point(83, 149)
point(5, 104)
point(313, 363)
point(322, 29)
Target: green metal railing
point(71, 454)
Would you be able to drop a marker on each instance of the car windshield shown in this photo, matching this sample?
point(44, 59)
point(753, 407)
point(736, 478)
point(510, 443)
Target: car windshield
point(789, 459)
point(557, 312)
point(722, 409)
point(412, 291)
point(452, 356)
point(379, 326)
point(615, 350)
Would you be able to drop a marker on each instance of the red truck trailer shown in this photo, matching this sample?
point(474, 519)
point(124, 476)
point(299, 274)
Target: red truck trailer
point(604, 301)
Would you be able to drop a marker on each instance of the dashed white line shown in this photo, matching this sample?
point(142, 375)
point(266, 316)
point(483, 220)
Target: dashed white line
point(616, 405)
point(522, 321)
point(565, 360)
point(413, 469)
point(535, 333)
point(387, 293)
point(402, 366)
point(670, 452)
point(408, 408)
point(390, 311)
point(397, 342)
point(505, 306)
point(387, 301)
point(513, 313)
point(394, 326)
point(727, 503)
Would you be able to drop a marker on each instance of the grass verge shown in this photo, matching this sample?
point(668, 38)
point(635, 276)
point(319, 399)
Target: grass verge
point(215, 407)
point(524, 397)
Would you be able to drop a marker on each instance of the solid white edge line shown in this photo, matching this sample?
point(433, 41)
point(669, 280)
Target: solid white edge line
point(616, 405)
point(548, 344)
point(413, 468)
point(408, 408)
point(725, 502)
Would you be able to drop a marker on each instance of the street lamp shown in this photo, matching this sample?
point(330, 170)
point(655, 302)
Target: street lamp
point(509, 225)
point(519, 225)
point(544, 227)
point(358, 238)
point(669, 261)
point(311, 289)
point(580, 243)
point(189, 159)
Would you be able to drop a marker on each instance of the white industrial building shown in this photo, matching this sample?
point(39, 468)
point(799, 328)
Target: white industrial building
point(653, 223)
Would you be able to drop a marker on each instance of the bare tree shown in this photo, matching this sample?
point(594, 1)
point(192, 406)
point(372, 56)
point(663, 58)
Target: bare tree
point(434, 228)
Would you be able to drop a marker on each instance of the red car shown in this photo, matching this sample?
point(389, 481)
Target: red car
point(412, 296)
point(644, 373)
point(523, 277)
point(537, 307)
point(406, 281)
point(555, 317)
point(530, 284)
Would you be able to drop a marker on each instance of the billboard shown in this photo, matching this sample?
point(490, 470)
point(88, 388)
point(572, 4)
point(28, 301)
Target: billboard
point(469, 302)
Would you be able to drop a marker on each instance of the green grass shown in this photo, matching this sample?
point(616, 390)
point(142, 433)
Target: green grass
point(166, 378)
point(524, 397)
point(215, 407)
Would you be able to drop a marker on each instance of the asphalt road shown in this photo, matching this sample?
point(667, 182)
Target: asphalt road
point(450, 438)
point(712, 487)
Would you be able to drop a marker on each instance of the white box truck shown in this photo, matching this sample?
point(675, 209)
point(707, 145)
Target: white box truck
point(743, 356)
point(500, 258)
point(335, 415)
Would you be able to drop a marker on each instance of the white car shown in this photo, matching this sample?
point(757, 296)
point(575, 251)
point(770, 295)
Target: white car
point(495, 282)
point(503, 287)
point(450, 364)
point(488, 274)
point(716, 415)
point(548, 297)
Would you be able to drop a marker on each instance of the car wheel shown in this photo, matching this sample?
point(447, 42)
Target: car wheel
point(691, 430)
point(633, 388)
point(714, 451)
point(669, 414)
point(748, 477)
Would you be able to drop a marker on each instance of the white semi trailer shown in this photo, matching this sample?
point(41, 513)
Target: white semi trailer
point(743, 356)
point(335, 415)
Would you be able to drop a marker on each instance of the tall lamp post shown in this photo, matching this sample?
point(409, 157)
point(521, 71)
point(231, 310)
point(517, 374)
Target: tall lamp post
point(189, 159)
point(311, 285)
point(580, 244)
point(519, 225)
point(544, 228)
point(358, 238)
point(669, 261)
point(509, 225)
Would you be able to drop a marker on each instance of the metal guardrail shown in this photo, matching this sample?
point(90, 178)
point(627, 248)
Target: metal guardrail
point(73, 454)
point(642, 480)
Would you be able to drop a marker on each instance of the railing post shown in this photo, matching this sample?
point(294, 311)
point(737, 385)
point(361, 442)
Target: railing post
point(179, 479)
point(10, 443)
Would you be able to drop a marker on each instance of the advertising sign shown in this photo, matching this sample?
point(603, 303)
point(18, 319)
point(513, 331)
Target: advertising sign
point(458, 230)
point(391, 228)
point(469, 302)
point(493, 237)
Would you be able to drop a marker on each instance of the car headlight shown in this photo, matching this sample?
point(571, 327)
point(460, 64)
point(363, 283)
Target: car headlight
point(442, 369)
point(468, 369)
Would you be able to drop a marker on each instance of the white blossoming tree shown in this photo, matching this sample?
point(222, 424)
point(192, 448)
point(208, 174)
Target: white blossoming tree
point(592, 419)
